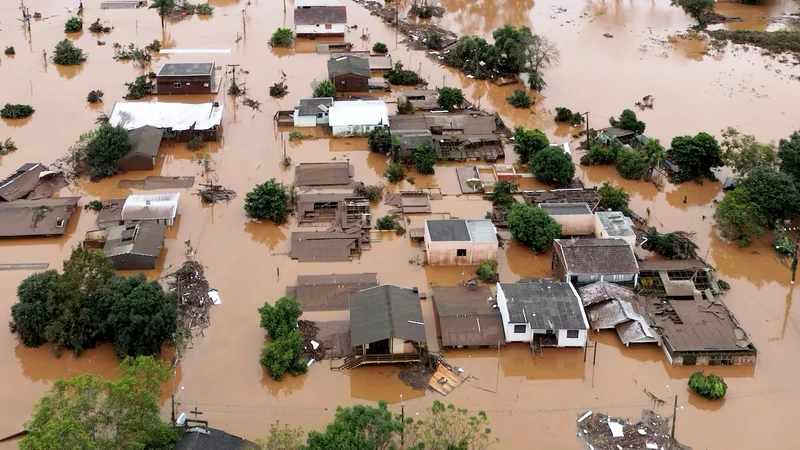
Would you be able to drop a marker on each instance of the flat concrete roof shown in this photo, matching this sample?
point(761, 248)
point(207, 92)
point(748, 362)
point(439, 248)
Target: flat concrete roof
point(185, 69)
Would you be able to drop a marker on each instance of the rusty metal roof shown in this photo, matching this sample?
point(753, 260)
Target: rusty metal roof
point(384, 312)
point(45, 217)
point(466, 317)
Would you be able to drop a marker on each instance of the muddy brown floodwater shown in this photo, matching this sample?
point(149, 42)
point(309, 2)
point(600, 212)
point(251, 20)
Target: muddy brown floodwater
point(542, 396)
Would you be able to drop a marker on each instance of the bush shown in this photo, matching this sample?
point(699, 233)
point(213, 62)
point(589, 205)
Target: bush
point(325, 89)
point(140, 57)
point(269, 200)
point(107, 146)
point(425, 157)
point(709, 386)
point(450, 98)
point(195, 143)
point(599, 154)
point(153, 47)
point(141, 87)
point(401, 77)
point(94, 205)
point(204, 9)
point(552, 166)
point(532, 226)
point(97, 27)
point(434, 41)
point(566, 115)
point(8, 146)
point(10, 111)
point(613, 199)
point(405, 107)
point(295, 136)
point(520, 99)
point(487, 272)
point(67, 54)
point(284, 355)
point(73, 25)
point(627, 121)
point(380, 140)
point(502, 194)
point(380, 47)
point(372, 192)
point(10, 50)
point(282, 37)
point(95, 96)
point(395, 173)
point(388, 222)
point(278, 90)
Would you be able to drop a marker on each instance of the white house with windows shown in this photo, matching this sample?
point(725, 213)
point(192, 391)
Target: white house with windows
point(545, 313)
point(311, 112)
point(315, 21)
point(357, 117)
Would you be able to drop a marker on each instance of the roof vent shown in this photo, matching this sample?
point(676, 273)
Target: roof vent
point(147, 202)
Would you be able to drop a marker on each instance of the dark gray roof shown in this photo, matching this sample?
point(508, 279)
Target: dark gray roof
point(602, 291)
point(384, 312)
point(329, 292)
point(616, 132)
point(21, 182)
point(320, 14)
point(145, 140)
point(348, 64)
point(211, 439)
point(185, 69)
point(466, 317)
point(44, 217)
point(411, 139)
point(144, 238)
point(311, 106)
point(597, 256)
point(448, 230)
point(545, 304)
point(565, 209)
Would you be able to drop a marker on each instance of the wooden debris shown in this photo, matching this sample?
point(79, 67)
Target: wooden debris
point(444, 380)
point(191, 286)
point(212, 193)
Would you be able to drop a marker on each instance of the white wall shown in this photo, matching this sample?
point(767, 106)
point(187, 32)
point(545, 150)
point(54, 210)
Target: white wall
point(600, 233)
point(353, 130)
point(399, 346)
point(508, 328)
point(336, 28)
point(445, 253)
point(304, 121)
point(564, 341)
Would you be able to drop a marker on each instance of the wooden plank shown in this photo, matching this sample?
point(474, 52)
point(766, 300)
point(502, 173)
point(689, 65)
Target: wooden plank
point(444, 380)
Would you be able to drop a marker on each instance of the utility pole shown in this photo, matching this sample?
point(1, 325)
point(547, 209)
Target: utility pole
point(172, 415)
point(588, 135)
point(674, 415)
point(402, 423)
point(244, 25)
point(233, 72)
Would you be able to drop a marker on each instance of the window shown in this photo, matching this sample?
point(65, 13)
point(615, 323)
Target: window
point(205, 85)
point(461, 252)
point(188, 84)
point(572, 334)
point(520, 328)
point(328, 26)
point(317, 25)
point(176, 85)
point(341, 82)
point(319, 115)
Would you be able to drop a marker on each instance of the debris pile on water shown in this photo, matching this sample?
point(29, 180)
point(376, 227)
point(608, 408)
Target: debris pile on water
point(212, 193)
point(192, 288)
point(651, 431)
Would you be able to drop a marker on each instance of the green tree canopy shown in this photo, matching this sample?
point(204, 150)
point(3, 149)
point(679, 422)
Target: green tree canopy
point(696, 156)
point(402, 77)
point(533, 226)
point(67, 53)
point(744, 153)
point(613, 199)
point(450, 97)
point(502, 191)
point(107, 146)
point(450, 428)
point(425, 158)
point(552, 166)
point(737, 217)
point(89, 412)
point(165, 8)
point(775, 195)
point(513, 43)
point(633, 165)
point(380, 140)
point(520, 99)
point(358, 427)
point(628, 121)
point(395, 172)
point(280, 319)
point(281, 438)
point(282, 37)
point(528, 142)
point(789, 154)
point(474, 56)
point(268, 200)
point(325, 88)
point(284, 355)
point(30, 315)
point(654, 154)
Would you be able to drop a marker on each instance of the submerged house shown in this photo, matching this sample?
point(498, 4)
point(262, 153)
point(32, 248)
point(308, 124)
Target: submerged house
point(312, 21)
point(357, 117)
point(155, 208)
point(586, 260)
point(424, 99)
point(614, 225)
point(468, 317)
point(179, 121)
point(350, 74)
point(145, 142)
point(610, 306)
point(386, 325)
point(187, 78)
point(576, 219)
point(311, 112)
point(457, 242)
point(135, 246)
point(43, 217)
point(32, 181)
point(545, 313)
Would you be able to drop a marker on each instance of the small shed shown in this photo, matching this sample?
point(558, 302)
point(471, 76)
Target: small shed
point(614, 225)
point(187, 78)
point(467, 316)
point(424, 99)
point(357, 117)
point(576, 219)
point(385, 321)
point(135, 246)
point(586, 260)
point(349, 74)
point(311, 112)
point(145, 142)
point(313, 21)
point(156, 208)
point(456, 242)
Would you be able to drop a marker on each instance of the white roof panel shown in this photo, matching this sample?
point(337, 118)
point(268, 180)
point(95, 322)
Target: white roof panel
point(177, 116)
point(358, 112)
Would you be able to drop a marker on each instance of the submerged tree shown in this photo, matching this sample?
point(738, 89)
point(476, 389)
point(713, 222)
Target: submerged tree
point(358, 427)
point(283, 353)
point(542, 55)
point(533, 226)
point(282, 37)
point(268, 200)
point(789, 154)
point(502, 194)
point(737, 217)
point(325, 89)
point(164, 8)
point(696, 156)
point(425, 157)
point(107, 146)
point(281, 438)
point(553, 166)
point(450, 428)
point(613, 199)
point(450, 97)
point(528, 142)
point(67, 54)
point(628, 121)
point(380, 140)
point(520, 99)
point(744, 153)
point(774, 194)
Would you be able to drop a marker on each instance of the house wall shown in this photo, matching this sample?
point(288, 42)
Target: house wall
point(445, 253)
point(557, 265)
point(350, 82)
point(564, 341)
point(304, 121)
point(353, 130)
point(336, 29)
point(508, 328)
point(136, 162)
point(426, 103)
point(133, 262)
point(576, 224)
point(114, 223)
point(188, 84)
point(400, 346)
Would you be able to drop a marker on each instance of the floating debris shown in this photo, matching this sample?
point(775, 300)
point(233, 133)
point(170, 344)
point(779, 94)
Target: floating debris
point(194, 302)
point(212, 193)
point(650, 431)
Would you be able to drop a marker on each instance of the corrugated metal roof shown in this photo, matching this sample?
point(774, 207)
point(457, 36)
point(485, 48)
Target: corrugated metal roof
point(185, 69)
point(358, 112)
point(322, 246)
point(544, 304)
point(384, 312)
point(145, 238)
point(635, 332)
point(482, 230)
point(614, 223)
point(150, 206)
point(597, 256)
point(466, 318)
point(175, 116)
point(454, 230)
point(329, 292)
point(348, 65)
point(313, 15)
point(313, 106)
point(609, 314)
